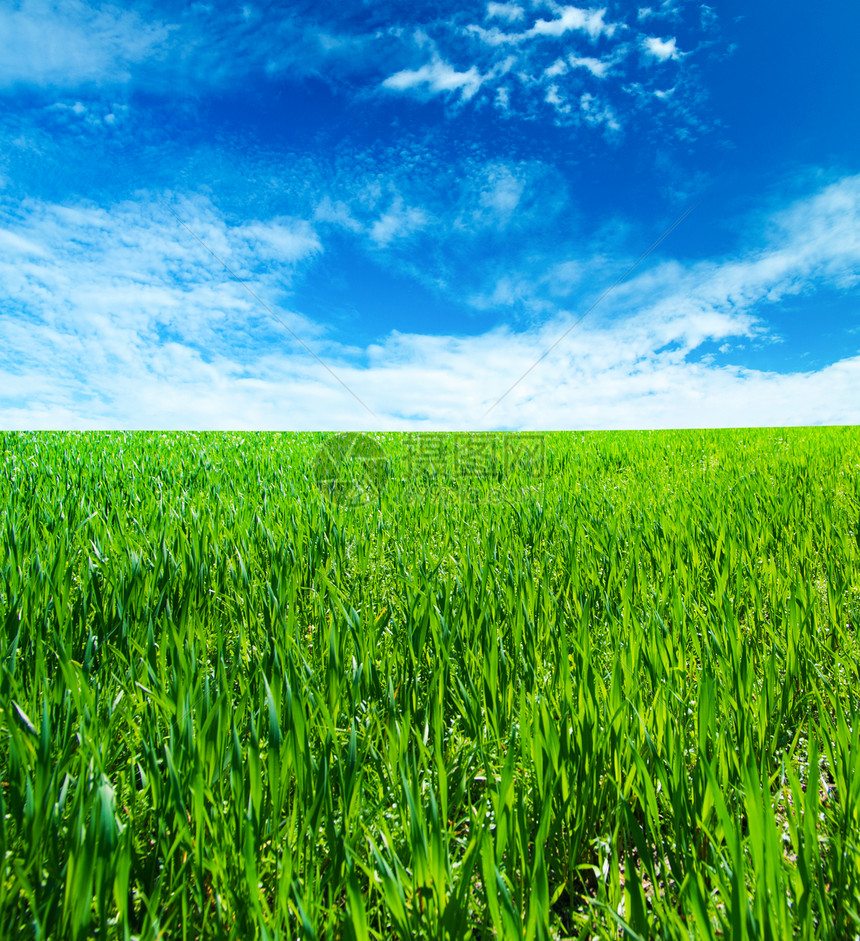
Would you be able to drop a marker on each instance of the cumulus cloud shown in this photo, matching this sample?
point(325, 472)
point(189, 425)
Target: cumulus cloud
point(661, 49)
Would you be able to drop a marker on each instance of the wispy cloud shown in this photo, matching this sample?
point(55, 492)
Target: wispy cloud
point(90, 58)
point(286, 240)
point(590, 22)
point(399, 221)
point(573, 18)
point(449, 215)
point(502, 192)
point(70, 43)
point(596, 112)
point(116, 318)
point(436, 77)
point(667, 9)
point(84, 46)
point(131, 268)
point(565, 47)
point(598, 67)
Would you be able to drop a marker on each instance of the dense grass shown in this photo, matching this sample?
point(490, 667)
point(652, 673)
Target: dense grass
point(609, 687)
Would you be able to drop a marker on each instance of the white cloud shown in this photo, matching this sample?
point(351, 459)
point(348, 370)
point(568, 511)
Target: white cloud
point(668, 9)
point(447, 204)
point(709, 18)
point(77, 108)
point(554, 98)
point(569, 18)
point(597, 113)
point(541, 63)
point(505, 11)
point(70, 42)
point(286, 240)
point(589, 21)
point(80, 44)
point(661, 49)
point(337, 213)
point(502, 192)
point(494, 36)
point(18, 245)
point(598, 67)
point(75, 45)
point(134, 270)
point(400, 221)
point(437, 76)
point(118, 318)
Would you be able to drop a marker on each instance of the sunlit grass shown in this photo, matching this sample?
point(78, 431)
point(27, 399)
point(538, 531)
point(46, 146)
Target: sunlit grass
point(605, 684)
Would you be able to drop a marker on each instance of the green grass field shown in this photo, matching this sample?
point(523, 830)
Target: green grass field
point(298, 686)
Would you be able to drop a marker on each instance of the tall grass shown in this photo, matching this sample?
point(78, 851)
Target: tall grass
point(612, 692)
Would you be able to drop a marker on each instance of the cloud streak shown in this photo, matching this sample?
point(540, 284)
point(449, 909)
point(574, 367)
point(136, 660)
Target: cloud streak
point(97, 56)
point(436, 77)
point(590, 22)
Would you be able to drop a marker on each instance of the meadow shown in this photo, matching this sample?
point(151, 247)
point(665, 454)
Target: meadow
point(569, 685)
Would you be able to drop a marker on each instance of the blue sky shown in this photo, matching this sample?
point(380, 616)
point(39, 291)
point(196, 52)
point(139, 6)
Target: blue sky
point(428, 196)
